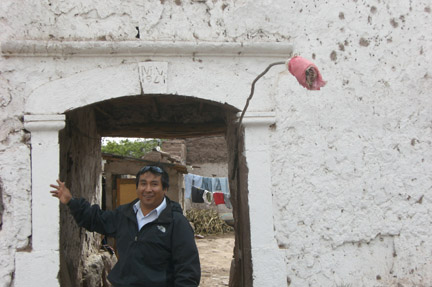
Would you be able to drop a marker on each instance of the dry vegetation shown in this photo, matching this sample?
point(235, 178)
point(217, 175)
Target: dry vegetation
point(207, 221)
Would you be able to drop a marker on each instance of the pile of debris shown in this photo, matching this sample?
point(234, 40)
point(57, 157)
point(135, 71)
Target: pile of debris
point(207, 221)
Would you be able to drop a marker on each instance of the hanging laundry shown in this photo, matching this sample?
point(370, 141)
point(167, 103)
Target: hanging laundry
point(216, 185)
point(191, 180)
point(227, 200)
point(207, 197)
point(218, 198)
point(197, 195)
point(207, 183)
point(224, 184)
point(212, 184)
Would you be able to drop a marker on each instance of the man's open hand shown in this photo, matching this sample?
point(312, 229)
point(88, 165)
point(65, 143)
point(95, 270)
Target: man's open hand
point(61, 192)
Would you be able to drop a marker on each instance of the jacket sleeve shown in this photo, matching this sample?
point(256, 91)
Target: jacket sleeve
point(91, 217)
point(187, 270)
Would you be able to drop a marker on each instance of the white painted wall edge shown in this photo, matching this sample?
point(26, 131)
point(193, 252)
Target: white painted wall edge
point(44, 118)
point(38, 48)
point(258, 118)
point(51, 122)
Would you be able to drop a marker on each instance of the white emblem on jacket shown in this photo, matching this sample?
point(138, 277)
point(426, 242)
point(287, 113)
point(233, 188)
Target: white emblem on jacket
point(161, 228)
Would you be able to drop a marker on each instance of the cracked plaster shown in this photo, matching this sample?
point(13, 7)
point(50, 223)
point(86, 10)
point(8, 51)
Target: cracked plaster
point(350, 164)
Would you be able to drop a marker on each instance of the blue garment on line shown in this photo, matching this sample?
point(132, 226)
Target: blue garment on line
point(216, 185)
point(207, 183)
point(220, 184)
point(191, 180)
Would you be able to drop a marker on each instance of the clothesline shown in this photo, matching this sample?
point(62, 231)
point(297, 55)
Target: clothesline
point(203, 184)
point(200, 195)
point(207, 183)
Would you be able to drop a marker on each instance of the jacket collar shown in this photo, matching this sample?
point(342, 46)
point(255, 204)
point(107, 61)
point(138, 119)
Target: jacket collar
point(158, 210)
point(164, 217)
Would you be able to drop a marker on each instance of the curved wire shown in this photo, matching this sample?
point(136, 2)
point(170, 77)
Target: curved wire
point(236, 148)
point(253, 90)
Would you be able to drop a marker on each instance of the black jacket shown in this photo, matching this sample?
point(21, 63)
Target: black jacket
point(162, 254)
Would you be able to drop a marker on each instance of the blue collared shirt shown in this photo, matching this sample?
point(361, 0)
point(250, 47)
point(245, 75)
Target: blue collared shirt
point(151, 216)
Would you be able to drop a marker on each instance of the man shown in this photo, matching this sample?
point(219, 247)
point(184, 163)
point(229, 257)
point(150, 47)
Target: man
point(155, 242)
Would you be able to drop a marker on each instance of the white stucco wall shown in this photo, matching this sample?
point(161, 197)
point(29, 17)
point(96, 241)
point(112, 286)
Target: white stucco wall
point(350, 164)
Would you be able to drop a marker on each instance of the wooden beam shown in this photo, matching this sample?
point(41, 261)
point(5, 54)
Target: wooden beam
point(164, 130)
point(155, 106)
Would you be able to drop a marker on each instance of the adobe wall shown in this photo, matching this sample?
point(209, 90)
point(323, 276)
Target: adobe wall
point(208, 156)
point(212, 149)
point(176, 149)
point(350, 165)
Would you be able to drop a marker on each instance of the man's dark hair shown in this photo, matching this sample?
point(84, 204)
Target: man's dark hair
point(157, 170)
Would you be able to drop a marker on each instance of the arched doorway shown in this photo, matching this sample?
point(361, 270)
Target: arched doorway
point(207, 79)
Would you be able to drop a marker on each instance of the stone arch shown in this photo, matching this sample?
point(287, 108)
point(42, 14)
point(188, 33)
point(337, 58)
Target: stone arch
point(96, 85)
point(83, 89)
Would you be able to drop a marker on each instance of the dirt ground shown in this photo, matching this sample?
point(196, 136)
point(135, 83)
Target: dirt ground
point(216, 252)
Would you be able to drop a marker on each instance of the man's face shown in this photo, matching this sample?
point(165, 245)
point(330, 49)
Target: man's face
point(150, 191)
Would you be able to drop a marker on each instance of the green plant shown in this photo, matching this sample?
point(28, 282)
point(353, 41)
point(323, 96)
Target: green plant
point(130, 148)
